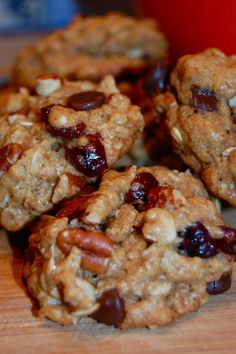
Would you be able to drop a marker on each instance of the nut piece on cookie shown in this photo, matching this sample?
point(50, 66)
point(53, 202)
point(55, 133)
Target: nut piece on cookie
point(53, 143)
point(201, 120)
point(143, 249)
point(92, 47)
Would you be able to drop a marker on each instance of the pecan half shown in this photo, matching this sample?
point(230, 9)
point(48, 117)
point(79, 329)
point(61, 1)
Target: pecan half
point(75, 207)
point(9, 154)
point(95, 246)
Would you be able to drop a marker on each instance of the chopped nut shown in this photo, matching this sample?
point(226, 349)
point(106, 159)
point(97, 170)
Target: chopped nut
point(67, 185)
point(159, 226)
point(175, 133)
point(95, 244)
point(47, 83)
point(227, 152)
point(9, 154)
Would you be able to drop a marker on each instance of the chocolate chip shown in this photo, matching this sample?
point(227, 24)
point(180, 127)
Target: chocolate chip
point(111, 310)
point(86, 101)
point(219, 286)
point(204, 99)
point(157, 79)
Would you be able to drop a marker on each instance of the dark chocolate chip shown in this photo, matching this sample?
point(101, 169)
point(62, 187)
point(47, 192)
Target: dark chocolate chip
point(219, 286)
point(111, 310)
point(86, 101)
point(157, 78)
point(204, 99)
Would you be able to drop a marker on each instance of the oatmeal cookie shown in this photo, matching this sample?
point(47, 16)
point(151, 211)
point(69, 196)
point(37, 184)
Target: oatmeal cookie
point(92, 47)
point(54, 142)
point(145, 248)
point(202, 119)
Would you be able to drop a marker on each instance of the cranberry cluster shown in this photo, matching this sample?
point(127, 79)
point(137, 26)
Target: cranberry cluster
point(91, 158)
point(198, 242)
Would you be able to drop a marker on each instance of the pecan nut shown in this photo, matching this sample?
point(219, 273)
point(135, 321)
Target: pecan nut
point(9, 154)
point(95, 246)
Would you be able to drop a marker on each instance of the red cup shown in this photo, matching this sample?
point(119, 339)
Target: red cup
point(191, 26)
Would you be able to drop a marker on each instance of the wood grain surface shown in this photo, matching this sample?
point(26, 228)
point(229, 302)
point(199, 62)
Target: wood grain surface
point(210, 330)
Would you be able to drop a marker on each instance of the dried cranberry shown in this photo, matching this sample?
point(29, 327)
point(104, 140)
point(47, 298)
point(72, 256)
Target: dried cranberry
point(219, 286)
point(157, 78)
point(111, 310)
point(228, 242)
point(204, 99)
point(89, 159)
point(66, 133)
point(197, 242)
point(86, 101)
point(138, 193)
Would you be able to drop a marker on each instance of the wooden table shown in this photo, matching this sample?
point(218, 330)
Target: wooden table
point(210, 330)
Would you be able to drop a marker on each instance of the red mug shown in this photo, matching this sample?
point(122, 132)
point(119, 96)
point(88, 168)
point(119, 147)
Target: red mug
point(191, 26)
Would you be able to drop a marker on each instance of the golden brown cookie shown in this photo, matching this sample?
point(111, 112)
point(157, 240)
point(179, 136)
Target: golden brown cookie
point(92, 47)
point(145, 248)
point(54, 142)
point(202, 119)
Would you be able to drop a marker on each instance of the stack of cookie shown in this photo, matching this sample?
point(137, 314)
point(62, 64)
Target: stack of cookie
point(122, 243)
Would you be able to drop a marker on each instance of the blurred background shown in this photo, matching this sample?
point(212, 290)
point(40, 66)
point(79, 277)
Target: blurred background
point(190, 26)
point(22, 22)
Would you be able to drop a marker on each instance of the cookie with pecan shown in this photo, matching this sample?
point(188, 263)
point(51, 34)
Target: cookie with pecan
point(92, 47)
point(202, 119)
point(55, 141)
point(143, 249)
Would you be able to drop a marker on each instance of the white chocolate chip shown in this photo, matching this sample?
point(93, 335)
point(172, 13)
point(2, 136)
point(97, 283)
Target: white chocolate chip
point(175, 133)
point(46, 86)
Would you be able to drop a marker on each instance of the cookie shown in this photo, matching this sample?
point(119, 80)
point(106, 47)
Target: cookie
point(143, 249)
point(92, 47)
point(201, 120)
point(54, 142)
point(154, 143)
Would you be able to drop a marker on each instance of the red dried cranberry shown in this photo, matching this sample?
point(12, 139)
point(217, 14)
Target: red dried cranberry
point(89, 159)
point(138, 193)
point(197, 242)
point(157, 78)
point(204, 99)
point(66, 133)
point(86, 101)
point(228, 242)
point(219, 286)
point(111, 310)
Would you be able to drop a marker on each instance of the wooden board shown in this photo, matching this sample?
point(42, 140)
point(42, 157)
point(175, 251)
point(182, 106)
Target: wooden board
point(210, 330)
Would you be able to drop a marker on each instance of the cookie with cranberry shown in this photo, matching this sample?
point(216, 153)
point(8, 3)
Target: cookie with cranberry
point(143, 249)
point(92, 47)
point(55, 141)
point(201, 120)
